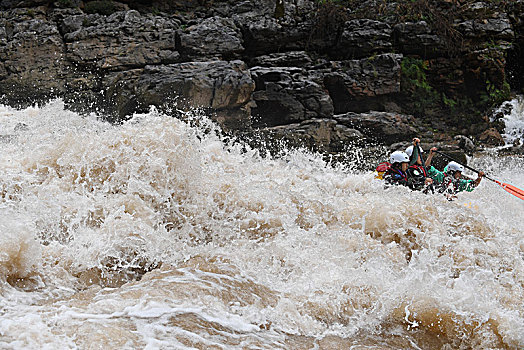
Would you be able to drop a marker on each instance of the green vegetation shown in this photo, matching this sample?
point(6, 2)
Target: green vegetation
point(495, 96)
point(449, 102)
point(101, 7)
point(415, 83)
point(414, 74)
point(155, 11)
point(423, 95)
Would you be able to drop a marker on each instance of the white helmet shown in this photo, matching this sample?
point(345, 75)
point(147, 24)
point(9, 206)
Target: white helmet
point(409, 150)
point(454, 166)
point(398, 157)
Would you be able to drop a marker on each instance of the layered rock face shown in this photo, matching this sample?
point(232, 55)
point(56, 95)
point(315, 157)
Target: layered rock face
point(323, 74)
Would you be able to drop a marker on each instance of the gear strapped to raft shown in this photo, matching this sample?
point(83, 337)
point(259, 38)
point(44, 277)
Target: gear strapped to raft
point(414, 178)
point(381, 169)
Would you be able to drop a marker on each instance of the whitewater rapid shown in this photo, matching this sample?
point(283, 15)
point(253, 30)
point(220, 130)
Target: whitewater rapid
point(514, 120)
point(159, 234)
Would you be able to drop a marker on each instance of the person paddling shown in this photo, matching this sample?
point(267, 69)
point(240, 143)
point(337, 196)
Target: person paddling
point(417, 169)
point(450, 181)
point(415, 153)
point(397, 174)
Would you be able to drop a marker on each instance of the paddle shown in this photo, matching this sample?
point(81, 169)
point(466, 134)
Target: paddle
point(427, 187)
point(421, 157)
point(517, 192)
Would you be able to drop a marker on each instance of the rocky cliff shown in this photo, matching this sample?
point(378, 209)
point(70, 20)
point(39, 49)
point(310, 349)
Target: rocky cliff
point(319, 73)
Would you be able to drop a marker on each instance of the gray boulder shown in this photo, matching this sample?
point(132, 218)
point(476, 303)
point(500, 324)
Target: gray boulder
point(419, 39)
point(264, 35)
point(32, 57)
point(223, 87)
point(121, 41)
point(214, 37)
point(358, 85)
point(363, 37)
point(496, 28)
point(283, 59)
point(324, 135)
point(383, 127)
point(287, 95)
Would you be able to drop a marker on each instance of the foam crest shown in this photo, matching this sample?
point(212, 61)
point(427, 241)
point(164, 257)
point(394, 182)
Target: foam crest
point(160, 233)
point(20, 253)
point(514, 120)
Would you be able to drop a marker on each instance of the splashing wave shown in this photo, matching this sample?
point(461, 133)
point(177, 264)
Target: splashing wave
point(159, 233)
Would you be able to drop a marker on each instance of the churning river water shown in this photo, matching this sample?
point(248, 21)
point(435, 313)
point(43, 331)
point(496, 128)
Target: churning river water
point(159, 235)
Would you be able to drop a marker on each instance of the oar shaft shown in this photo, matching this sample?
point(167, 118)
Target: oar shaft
point(465, 166)
point(421, 157)
point(451, 158)
point(517, 192)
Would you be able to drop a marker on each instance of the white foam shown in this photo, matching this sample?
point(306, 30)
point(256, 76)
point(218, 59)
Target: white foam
point(514, 121)
point(254, 246)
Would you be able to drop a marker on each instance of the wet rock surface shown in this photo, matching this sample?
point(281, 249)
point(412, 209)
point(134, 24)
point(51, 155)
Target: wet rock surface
point(314, 72)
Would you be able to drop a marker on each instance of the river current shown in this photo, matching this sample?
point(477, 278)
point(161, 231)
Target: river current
point(159, 234)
